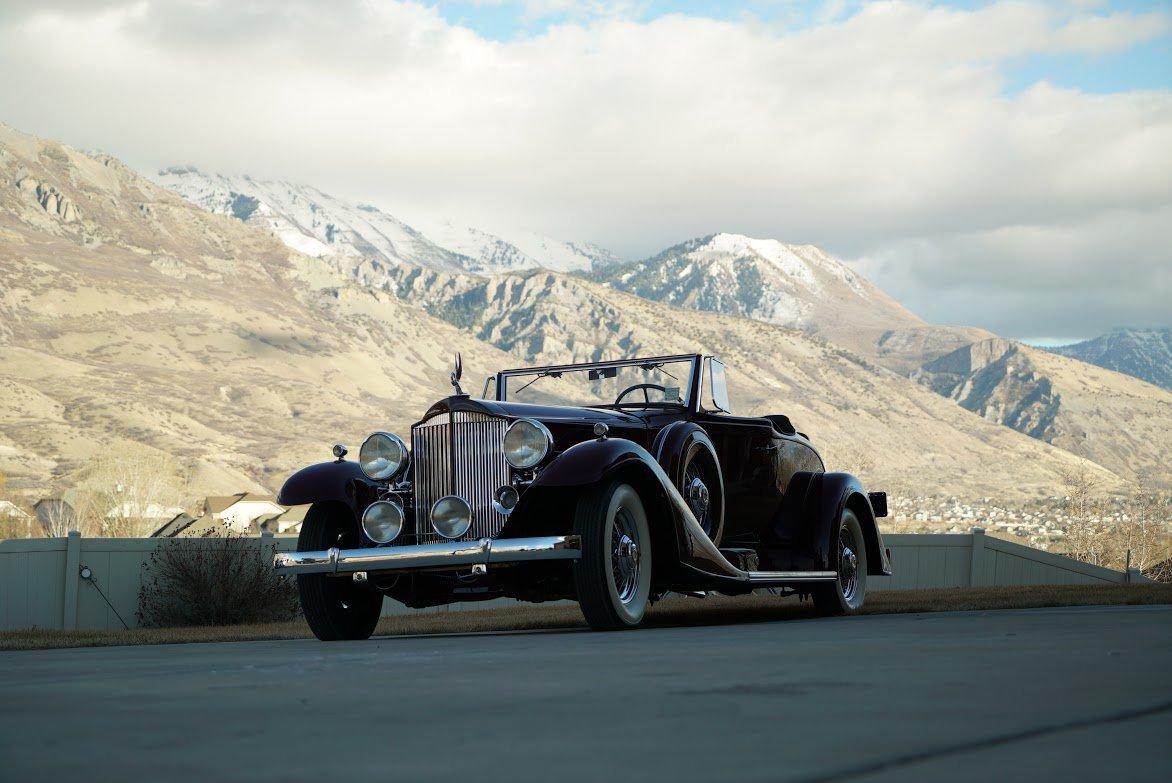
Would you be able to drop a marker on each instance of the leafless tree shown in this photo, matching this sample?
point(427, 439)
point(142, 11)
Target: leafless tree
point(1103, 529)
point(129, 493)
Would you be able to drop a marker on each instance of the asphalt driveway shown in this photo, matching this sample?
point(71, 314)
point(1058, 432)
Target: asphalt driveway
point(1047, 694)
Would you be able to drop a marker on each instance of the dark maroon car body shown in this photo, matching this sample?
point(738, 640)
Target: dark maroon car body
point(770, 519)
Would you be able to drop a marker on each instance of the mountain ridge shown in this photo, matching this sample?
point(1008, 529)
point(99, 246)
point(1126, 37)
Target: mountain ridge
point(1142, 353)
point(319, 224)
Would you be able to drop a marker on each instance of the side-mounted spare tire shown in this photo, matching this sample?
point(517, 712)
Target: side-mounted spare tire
point(335, 607)
point(613, 576)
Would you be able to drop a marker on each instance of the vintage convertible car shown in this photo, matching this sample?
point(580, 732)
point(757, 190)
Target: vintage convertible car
point(611, 483)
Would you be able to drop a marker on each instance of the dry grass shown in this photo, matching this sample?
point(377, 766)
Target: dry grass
point(674, 612)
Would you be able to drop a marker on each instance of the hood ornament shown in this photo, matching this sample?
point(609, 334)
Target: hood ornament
point(458, 373)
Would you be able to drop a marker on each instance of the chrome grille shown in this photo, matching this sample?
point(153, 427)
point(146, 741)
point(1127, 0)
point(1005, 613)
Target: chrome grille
point(459, 454)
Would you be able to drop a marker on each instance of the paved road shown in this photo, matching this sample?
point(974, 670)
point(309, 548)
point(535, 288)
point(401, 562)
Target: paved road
point(1055, 694)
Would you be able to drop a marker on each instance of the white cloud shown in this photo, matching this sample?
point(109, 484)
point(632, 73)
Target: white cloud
point(887, 135)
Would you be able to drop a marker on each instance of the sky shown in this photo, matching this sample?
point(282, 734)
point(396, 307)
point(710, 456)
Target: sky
point(999, 164)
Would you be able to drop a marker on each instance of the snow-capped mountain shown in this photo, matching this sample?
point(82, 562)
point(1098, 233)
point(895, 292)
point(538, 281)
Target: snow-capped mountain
point(508, 251)
point(309, 221)
point(319, 224)
point(798, 286)
point(1143, 353)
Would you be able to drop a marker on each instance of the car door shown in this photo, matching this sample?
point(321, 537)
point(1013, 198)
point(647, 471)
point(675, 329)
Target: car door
point(750, 463)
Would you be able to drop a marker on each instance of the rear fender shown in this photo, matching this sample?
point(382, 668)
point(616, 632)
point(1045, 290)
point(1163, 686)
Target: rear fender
point(809, 516)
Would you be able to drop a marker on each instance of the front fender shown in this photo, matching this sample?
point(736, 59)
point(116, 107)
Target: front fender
point(547, 507)
point(340, 481)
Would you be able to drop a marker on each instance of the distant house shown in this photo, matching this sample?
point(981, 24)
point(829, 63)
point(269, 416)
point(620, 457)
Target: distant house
point(149, 512)
point(290, 521)
point(10, 510)
point(13, 513)
point(241, 514)
point(236, 513)
point(174, 526)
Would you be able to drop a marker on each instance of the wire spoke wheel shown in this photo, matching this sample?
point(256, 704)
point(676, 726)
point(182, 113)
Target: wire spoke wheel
point(612, 578)
point(846, 594)
point(848, 563)
point(625, 555)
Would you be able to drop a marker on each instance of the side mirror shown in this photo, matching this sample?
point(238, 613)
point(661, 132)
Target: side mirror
point(717, 386)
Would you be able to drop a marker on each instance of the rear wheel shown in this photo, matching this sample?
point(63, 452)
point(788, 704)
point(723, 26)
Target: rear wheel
point(613, 576)
point(334, 606)
point(847, 593)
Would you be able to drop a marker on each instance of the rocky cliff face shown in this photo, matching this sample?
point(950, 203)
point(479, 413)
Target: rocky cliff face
point(993, 379)
point(1109, 418)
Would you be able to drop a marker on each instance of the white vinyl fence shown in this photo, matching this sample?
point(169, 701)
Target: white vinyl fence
point(42, 584)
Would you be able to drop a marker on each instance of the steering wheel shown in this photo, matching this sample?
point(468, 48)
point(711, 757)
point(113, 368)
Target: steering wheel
point(645, 387)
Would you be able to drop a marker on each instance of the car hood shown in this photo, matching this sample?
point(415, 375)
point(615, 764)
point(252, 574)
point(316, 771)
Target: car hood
point(543, 413)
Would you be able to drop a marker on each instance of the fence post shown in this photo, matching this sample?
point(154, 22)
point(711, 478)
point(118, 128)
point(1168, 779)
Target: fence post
point(72, 569)
point(268, 543)
point(978, 557)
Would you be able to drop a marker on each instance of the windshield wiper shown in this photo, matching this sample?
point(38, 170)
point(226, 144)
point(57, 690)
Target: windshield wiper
point(657, 366)
point(538, 377)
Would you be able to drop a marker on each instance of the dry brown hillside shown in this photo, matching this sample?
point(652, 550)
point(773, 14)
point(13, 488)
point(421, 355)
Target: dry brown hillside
point(1115, 420)
point(131, 316)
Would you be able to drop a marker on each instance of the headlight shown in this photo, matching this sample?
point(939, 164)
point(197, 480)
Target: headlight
point(382, 521)
point(382, 456)
point(526, 443)
point(451, 516)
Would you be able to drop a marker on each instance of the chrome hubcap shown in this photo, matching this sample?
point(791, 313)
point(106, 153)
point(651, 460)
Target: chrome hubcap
point(698, 497)
point(848, 564)
point(624, 556)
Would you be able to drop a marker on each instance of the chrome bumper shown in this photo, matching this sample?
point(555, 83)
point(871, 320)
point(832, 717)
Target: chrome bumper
point(445, 555)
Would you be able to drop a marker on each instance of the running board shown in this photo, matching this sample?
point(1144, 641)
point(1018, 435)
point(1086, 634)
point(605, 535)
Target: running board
point(791, 576)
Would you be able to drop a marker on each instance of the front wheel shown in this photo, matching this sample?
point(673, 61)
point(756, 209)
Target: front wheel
point(334, 606)
point(613, 576)
point(846, 594)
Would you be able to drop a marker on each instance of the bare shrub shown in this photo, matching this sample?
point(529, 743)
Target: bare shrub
point(214, 580)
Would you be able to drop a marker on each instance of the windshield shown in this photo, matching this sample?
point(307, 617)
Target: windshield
point(637, 383)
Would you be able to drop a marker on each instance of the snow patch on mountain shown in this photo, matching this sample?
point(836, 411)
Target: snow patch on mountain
point(308, 220)
point(318, 224)
point(512, 250)
point(793, 285)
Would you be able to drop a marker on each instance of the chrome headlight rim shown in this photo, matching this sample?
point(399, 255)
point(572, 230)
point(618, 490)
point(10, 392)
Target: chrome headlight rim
point(466, 525)
point(543, 432)
point(384, 475)
point(377, 507)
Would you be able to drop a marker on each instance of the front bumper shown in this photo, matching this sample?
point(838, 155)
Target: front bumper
point(421, 556)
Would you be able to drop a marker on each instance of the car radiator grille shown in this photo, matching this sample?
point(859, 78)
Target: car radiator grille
point(459, 454)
